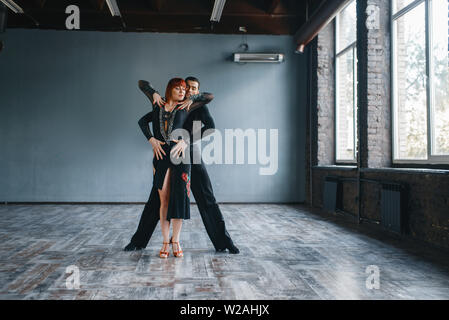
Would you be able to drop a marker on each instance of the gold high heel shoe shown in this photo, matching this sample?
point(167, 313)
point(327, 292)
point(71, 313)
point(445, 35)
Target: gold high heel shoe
point(176, 253)
point(164, 254)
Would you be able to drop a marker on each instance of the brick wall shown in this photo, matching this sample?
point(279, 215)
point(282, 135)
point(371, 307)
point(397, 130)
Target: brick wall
point(378, 124)
point(427, 211)
point(325, 96)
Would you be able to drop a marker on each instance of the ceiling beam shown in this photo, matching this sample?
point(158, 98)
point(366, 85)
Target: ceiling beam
point(138, 22)
point(171, 16)
point(174, 14)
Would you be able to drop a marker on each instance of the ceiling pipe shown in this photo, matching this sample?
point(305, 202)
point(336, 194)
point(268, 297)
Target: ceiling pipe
point(318, 22)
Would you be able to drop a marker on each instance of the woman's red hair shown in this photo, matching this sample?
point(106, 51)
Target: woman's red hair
point(173, 83)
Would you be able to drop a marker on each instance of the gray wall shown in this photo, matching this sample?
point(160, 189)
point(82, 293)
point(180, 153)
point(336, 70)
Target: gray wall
point(69, 107)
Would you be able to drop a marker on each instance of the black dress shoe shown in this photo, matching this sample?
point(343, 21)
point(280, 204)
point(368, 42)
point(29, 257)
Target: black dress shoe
point(132, 247)
point(233, 249)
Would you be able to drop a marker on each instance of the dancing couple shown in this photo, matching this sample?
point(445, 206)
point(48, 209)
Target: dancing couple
point(169, 200)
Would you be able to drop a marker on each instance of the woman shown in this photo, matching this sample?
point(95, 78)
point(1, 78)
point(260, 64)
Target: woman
point(171, 180)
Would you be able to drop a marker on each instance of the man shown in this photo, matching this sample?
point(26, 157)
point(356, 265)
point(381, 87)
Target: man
point(200, 184)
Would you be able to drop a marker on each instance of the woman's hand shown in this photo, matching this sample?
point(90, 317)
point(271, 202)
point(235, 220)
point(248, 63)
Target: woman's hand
point(186, 104)
point(177, 150)
point(157, 147)
point(158, 99)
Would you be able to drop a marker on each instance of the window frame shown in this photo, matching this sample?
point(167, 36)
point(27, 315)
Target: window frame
point(431, 159)
point(352, 46)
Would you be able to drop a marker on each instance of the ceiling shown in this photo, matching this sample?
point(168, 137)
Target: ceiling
point(276, 17)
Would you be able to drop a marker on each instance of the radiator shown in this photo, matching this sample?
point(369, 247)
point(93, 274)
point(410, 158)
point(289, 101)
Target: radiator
point(392, 207)
point(330, 194)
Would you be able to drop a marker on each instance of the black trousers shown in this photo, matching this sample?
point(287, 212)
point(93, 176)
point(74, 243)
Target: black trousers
point(211, 215)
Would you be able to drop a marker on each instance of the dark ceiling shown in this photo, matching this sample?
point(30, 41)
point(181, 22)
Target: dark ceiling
point(277, 17)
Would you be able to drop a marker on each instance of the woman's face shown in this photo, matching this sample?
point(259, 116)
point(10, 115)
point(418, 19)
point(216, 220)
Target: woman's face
point(178, 93)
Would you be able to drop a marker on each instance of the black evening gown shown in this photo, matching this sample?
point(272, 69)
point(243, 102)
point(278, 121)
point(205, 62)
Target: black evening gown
point(201, 188)
point(164, 124)
point(200, 185)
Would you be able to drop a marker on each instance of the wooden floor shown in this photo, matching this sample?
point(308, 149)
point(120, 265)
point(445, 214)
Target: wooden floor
point(286, 252)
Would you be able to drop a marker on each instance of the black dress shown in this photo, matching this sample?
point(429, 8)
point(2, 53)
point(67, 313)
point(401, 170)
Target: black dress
point(164, 125)
point(201, 189)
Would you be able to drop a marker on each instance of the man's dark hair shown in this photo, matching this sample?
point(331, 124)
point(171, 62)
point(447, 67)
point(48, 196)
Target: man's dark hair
point(193, 79)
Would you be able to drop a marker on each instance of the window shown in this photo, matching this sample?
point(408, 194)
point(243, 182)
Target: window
point(346, 84)
point(420, 81)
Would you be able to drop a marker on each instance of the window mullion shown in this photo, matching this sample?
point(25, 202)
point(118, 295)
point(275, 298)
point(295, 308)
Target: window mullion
point(335, 89)
point(429, 99)
point(406, 9)
point(354, 99)
point(343, 65)
point(393, 86)
point(349, 47)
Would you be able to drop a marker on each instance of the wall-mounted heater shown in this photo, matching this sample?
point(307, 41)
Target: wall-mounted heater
point(259, 57)
point(332, 194)
point(393, 204)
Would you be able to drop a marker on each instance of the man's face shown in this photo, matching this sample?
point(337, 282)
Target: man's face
point(192, 88)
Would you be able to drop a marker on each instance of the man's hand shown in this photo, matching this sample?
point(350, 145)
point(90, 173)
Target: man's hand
point(157, 147)
point(158, 99)
point(177, 150)
point(185, 104)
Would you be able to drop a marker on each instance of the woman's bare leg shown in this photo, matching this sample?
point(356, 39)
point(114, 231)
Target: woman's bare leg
point(164, 196)
point(177, 225)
